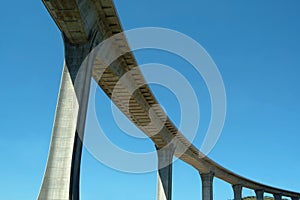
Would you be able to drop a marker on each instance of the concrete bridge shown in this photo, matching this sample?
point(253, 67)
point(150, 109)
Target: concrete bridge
point(85, 24)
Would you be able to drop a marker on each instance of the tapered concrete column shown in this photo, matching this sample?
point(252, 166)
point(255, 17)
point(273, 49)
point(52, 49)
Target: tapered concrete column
point(164, 175)
point(237, 190)
point(259, 194)
point(207, 185)
point(61, 178)
point(277, 196)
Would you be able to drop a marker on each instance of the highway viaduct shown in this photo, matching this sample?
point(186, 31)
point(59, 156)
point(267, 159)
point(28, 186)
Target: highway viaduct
point(85, 24)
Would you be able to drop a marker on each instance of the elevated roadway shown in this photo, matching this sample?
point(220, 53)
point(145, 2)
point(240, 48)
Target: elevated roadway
point(85, 24)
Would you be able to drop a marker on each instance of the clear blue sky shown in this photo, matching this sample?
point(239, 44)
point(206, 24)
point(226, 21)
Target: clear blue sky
point(256, 46)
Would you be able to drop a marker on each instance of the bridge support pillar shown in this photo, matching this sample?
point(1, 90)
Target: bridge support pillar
point(207, 185)
point(237, 190)
point(277, 196)
point(164, 176)
point(61, 178)
point(259, 194)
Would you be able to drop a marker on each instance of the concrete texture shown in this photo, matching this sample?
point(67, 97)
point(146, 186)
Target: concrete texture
point(237, 191)
point(207, 185)
point(277, 196)
point(56, 182)
point(61, 178)
point(259, 194)
point(77, 21)
point(164, 174)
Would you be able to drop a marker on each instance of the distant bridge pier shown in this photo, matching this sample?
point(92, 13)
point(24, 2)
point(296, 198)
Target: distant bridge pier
point(237, 191)
point(207, 185)
point(277, 196)
point(164, 174)
point(259, 194)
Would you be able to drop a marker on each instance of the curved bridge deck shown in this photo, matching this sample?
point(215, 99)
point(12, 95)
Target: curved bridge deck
point(79, 21)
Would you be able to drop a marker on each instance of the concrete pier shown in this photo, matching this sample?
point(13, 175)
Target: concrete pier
point(207, 185)
point(61, 178)
point(164, 175)
point(259, 194)
point(277, 196)
point(237, 191)
point(81, 33)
